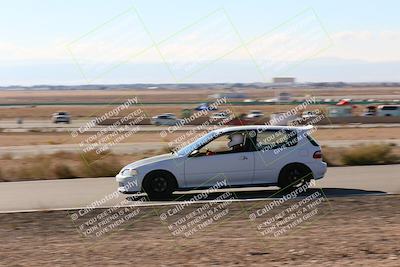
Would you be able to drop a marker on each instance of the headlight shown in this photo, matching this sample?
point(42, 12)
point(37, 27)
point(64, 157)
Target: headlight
point(129, 172)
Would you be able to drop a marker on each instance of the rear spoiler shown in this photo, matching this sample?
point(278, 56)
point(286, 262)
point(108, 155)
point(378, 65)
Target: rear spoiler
point(307, 127)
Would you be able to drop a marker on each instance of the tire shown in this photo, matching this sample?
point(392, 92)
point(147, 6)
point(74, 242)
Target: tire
point(159, 185)
point(293, 176)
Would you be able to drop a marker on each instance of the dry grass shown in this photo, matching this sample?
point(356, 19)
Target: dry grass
point(372, 154)
point(64, 165)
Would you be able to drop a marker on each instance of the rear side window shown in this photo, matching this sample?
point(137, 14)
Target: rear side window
point(312, 140)
point(389, 108)
point(271, 139)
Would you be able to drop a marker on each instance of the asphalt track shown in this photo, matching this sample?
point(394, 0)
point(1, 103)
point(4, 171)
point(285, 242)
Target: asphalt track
point(80, 193)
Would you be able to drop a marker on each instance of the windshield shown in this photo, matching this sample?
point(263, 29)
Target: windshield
point(198, 143)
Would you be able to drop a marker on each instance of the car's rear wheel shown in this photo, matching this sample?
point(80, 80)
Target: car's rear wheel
point(159, 185)
point(294, 175)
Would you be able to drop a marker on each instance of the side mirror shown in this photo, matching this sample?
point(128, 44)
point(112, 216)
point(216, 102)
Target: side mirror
point(194, 153)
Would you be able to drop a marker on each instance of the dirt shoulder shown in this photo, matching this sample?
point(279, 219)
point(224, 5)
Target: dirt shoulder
point(350, 231)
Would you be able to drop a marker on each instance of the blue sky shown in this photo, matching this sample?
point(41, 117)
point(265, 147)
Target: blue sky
point(145, 43)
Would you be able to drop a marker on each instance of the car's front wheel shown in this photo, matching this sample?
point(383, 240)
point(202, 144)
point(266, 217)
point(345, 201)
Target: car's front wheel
point(159, 185)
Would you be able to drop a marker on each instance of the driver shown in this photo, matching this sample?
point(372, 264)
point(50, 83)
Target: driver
point(210, 153)
point(236, 142)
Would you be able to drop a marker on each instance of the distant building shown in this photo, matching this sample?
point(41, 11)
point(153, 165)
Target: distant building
point(283, 80)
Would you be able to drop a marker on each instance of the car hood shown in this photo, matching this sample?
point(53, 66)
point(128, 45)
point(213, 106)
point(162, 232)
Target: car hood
point(150, 160)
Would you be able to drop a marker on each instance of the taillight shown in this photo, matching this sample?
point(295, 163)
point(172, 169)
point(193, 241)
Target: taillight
point(317, 154)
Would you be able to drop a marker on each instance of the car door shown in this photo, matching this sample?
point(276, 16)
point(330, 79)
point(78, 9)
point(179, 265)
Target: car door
point(204, 170)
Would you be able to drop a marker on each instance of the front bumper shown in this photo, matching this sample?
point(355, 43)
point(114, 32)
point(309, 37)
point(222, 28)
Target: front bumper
point(124, 190)
point(128, 184)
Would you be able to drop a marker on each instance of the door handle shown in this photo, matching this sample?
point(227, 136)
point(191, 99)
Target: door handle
point(243, 158)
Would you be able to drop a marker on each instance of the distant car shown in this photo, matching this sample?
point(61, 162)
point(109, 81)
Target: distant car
point(310, 114)
point(205, 106)
point(169, 114)
point(244, 155)
point(219, 115)
point(61, 116)
point(388, 110)
point(344, 102)
point(254, 114)
point(164, 119)
point(271, 100)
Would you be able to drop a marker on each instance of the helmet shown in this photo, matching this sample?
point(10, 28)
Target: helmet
point(236, 139)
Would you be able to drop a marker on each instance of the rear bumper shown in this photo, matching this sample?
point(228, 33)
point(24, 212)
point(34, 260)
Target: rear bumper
point(319, 169)
point(61, 120)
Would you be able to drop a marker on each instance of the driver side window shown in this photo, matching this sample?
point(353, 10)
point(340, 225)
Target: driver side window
point(224, 144)
point(218, 145)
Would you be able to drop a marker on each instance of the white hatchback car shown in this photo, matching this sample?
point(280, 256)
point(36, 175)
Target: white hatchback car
point(61, 117)
point(241, 156)
point(219, 115)
point(254, 114)
point(164, 119)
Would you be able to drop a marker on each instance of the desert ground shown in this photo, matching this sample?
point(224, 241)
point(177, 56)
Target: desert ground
point(102, 101)
point(358, 231)
point(169, 95)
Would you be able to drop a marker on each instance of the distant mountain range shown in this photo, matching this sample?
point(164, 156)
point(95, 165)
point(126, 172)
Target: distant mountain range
point(222, 72)
point(141, 86)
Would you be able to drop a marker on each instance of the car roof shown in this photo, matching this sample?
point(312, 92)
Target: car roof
point(264, 127)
